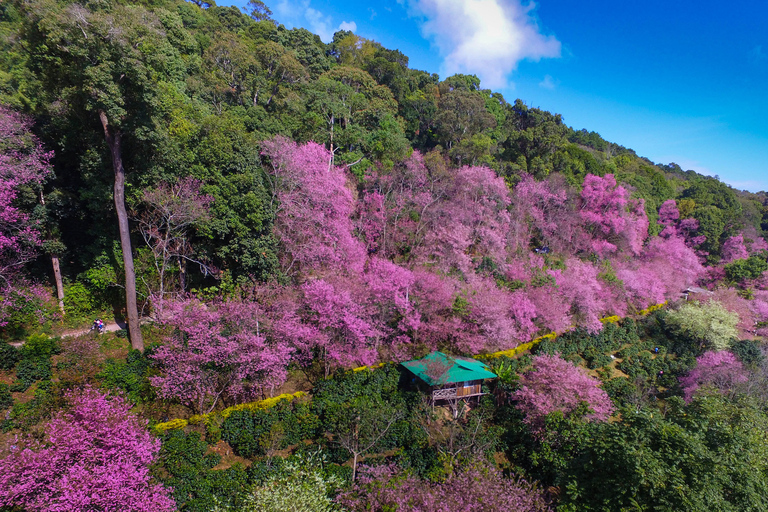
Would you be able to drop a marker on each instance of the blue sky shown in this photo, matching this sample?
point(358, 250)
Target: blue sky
point(681, 82)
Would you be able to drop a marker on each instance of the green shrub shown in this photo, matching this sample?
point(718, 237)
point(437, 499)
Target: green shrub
point(301, 484)
point(6, 400)
point(78, 299)
point(39, 346)
point(709, 325)
point(130, 375)
point(251, 432)
point(188, 470)
point(9, 356)
point(749, 268)
point(748, 352)
point(620, 390)
point(30, 370)
point(47, 400)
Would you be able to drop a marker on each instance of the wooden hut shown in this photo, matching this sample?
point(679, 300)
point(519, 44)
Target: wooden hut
point(450, 378)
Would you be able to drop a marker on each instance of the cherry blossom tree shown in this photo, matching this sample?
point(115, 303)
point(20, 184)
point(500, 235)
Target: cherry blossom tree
point(554, 384)
point(721, 370)
point(217, 351)
point(734, 249)
point(170, 212)
point(580, 286)
point(472, 221)
point(95, 456)
point(350, 337)
point(472, 489)
point(542, 209)
point(23, 163)
point(617, 221)
point(667, 266)
point(411, 193)
point(390, 289)
point(314, 205)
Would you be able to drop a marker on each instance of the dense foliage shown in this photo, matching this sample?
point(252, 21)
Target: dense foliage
point(291, 210)
point(96, 455)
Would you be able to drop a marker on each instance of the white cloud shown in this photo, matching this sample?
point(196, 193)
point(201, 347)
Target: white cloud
point(288, 10)
point(483, 37)
point(319, 24)
point(301, 14)
point(548, 83)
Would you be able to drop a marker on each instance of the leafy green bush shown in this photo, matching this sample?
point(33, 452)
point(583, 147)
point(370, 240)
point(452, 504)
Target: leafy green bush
point(591, 347)
point(620, 389)
point(708, 325)
point(39, 346)
point(6, 400)
point(31, 370)
point(47, 400)
point(188, 470)
point(131, 376)
point(301, 484)
point(748, 352)
point(78, 299)
point(252, 432)
point(750, 268)
point(9, 356)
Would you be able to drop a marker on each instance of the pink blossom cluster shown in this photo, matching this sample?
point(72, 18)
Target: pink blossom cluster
point(217, 351)
point(95, 456)
point(473, 489)
point(720, 370)
point(23, 162)
point(554, 384)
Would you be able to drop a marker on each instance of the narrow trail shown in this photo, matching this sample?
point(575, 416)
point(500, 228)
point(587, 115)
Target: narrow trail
point(112, 326)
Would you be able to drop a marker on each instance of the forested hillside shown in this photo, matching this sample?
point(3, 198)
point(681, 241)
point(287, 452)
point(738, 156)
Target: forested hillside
point(266, 212)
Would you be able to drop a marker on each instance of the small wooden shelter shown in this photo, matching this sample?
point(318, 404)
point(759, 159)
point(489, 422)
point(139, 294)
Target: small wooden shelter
point(450, 378)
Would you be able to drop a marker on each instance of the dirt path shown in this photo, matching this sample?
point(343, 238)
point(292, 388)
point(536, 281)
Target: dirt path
point(112, 326)
point(108, 327)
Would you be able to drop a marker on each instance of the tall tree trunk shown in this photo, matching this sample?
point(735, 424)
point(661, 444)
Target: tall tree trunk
point(113, 138)
point(59, 282)
point(56, 271)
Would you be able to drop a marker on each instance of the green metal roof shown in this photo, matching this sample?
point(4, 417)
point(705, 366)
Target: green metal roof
point(437, 368)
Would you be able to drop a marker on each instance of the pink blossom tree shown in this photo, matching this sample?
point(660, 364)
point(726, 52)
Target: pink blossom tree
point(328, 321)
point(734, 249)
point(472, 489)
point(170, 213)
point(217, 351)
point(95, 456)
point(470, 223)
point(503, 319)
point(23, 162)
point(554, 384)
point(721, 370)
point(543, 209)
point(411, 193)
point(390, 288)
point(617, 221)
point(667, 266)
point(314, 205)
point(349, 335)
point(580, 286)
point(668, 213)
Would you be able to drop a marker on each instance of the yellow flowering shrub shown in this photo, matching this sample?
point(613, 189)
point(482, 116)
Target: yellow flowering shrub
point(171, 425)
point(208, 418)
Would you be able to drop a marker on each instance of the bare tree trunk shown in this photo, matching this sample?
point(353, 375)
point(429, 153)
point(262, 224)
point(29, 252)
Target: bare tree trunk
point(56, 271)
point(59, 282)
point(113, 138)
